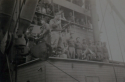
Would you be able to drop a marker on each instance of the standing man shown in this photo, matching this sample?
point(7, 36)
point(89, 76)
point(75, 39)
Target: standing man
point(78, 47)
point(84, 48)
point(71, 17)
point(55, 25)
point(88, 52)
point(71, 45)
point(99, 51)
point(45, 30)
point(41, 49)
point(93, 51)
point(87, 4)
point(105, 53)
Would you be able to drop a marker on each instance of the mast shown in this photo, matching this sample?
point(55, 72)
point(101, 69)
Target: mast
point(94, 20)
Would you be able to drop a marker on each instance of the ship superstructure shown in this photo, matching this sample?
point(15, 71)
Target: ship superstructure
point(57, 41)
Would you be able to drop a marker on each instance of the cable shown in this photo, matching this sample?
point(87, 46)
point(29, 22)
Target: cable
point(102, 13)
point(20, 8)
point(9, 68)
point(12, 14)
point(122, 39)
point(109, 47)
point(63, 71)
point(117, 34)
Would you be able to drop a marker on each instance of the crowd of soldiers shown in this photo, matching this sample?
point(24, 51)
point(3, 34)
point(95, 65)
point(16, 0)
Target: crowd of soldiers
point(87, 50)
point(68, 48)
point(45, 7)
point(62, 47)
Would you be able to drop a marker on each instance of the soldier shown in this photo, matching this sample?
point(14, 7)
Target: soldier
point(89, 25)
point(82, 22)
point(71, 45)
point(71, 17)
point(43, 48)
point(87, 4)
point(77, 21)
point(99, 51)
point(62, 15)
point(88, 52)
point(55, 25)
point(48, 9)
point(83, 5)
point(34, 20)
point(46, 30)
point(93, 51)
point(65, 45)
point(84, 47)
point(105, 53)
point(78, 47)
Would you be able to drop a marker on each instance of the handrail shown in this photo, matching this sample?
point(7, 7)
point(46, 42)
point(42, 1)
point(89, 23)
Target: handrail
point(83, 26)
point(73, 60)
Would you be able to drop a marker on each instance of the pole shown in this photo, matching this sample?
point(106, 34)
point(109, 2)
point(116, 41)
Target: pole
point(94, 18)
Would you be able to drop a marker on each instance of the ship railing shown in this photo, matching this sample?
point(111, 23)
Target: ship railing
point(73, 23)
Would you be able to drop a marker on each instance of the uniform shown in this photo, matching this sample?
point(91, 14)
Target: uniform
point(93, 53)
point(54, 32)
point(84, 47)
point(71, 45)
point(105, 54)
point(99, 53)
point(78, 47)
point(47, 38)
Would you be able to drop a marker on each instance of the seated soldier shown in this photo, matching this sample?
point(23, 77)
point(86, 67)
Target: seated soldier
point(78, 47)
point(99, 51)
point(105, 53)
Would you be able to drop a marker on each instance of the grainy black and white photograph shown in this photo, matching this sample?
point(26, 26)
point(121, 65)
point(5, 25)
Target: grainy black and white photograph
point(62, 40)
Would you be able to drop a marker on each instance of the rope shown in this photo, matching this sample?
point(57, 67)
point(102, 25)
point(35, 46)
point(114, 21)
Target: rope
point(63, 71)
point(9, 69)
point(102, 13)
point(122, 39)
point(109, 46)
